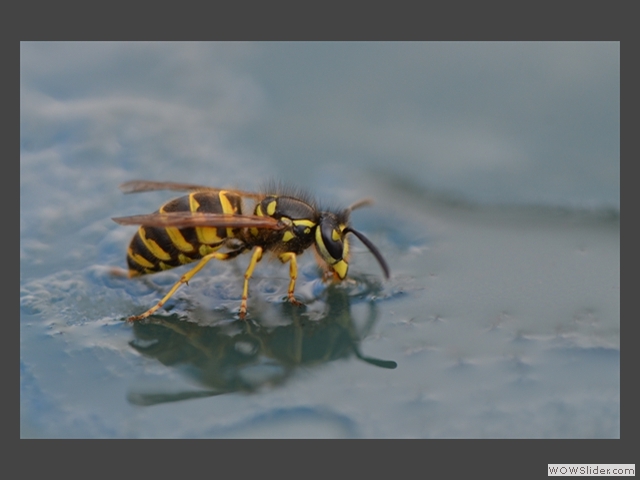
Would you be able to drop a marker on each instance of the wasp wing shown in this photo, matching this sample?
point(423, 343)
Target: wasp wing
point(197, 219)
point(137, 186)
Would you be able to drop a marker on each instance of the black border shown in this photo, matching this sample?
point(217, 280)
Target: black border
point(329, 20)
point(252, 20)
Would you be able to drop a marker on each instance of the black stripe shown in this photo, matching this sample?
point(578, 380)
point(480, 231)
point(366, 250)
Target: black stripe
point(162, 238)
point(209, 203)
point(182, 204)
point(236, 202)
point(135, 267)
point(138, 247)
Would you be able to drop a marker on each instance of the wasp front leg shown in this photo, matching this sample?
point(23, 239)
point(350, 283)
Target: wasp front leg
point(293, 274)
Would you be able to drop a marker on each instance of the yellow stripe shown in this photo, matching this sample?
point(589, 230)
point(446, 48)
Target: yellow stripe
point(178, 240)
point(308, 223)
point(226, 208)
point(143, 262)
point(193, 203)
point(254, 231)
point(206, 235)
point(153, 247)
point(176, 237)
point(226, 204)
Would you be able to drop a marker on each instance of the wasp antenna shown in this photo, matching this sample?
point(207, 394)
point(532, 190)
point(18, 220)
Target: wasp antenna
point(360, 203)
point(372, 248)
point(388, 364)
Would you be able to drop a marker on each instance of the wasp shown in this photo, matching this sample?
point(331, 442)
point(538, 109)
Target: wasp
point(212, 223)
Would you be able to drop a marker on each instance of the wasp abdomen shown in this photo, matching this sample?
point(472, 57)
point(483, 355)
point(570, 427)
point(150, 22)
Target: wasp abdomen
point(154, 249)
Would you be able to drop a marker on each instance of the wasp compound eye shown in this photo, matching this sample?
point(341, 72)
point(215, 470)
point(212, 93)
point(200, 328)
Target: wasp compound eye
point(331, 239)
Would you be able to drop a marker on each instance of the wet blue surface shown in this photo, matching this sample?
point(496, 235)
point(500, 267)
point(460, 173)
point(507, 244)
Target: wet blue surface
point(495, 174)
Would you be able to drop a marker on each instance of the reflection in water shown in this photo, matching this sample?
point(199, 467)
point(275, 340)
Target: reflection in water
point(242, 356)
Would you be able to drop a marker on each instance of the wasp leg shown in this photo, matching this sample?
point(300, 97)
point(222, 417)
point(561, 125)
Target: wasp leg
point(255, 258)
point(293, 274)
point(184, 279)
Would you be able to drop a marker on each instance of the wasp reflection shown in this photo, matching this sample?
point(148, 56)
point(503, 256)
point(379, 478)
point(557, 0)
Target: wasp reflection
point(242, 356)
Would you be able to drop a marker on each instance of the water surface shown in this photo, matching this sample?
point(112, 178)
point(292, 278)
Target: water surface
point(495, 174)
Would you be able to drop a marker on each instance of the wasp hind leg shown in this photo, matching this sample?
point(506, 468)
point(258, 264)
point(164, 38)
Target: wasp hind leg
point(184, 279)
point(293, 275)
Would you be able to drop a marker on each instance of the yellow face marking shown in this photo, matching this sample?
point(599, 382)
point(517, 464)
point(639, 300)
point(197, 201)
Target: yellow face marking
point(335, 235)
point(341, 269)
point(153, 247)
point(259, 211)
point(271, 207)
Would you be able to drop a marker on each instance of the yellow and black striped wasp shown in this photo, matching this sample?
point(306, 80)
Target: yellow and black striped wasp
point(213, 223)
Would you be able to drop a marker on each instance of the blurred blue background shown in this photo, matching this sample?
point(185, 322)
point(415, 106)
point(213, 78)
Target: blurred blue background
point(495, 169)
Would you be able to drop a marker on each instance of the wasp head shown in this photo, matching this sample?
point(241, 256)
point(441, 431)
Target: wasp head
point(333, 246)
